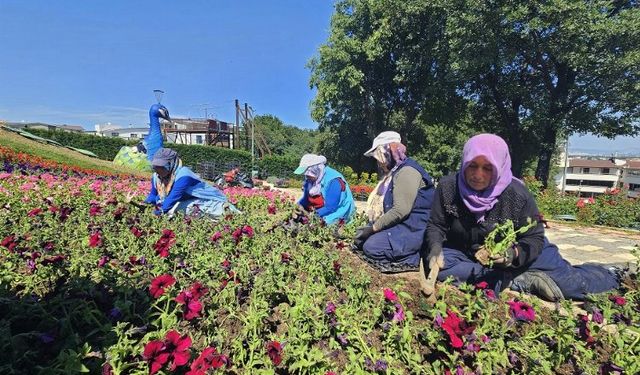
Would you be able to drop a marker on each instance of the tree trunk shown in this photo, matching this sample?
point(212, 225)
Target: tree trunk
point(547, 148)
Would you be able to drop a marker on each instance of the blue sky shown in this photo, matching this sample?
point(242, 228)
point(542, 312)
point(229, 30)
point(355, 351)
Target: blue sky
point(88, 62)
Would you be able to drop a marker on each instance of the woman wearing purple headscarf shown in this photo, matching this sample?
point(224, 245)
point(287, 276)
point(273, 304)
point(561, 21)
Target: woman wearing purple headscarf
point(397, 209)
point(469, 204)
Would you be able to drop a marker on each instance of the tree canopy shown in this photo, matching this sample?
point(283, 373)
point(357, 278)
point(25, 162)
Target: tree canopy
point(529, 71)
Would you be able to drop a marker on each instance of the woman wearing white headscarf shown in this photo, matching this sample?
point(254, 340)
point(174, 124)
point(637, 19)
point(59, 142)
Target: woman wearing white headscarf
point(398, 208)
point(325, 190)
point(175, 188)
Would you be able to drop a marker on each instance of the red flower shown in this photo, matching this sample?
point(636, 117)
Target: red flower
point(192, 306)
point(160, 283)
point(336, 267)
point(34, 212)
point(521, 311)
point(248, 231)
point(389, 295)
point(274, 351)
point(165, 242)
point(94, 210)
point(198, 290)
point(95, 239)
point(285, 258)
point(156, 356)
point(620, 301)
point(178, 348)
point(490, 294)
point(216, 236)
point(456, 328)
point(271, 209)
point(583, 330)
point(482, 285)
point(209, 358)
point(10, 242)
point(136, 231)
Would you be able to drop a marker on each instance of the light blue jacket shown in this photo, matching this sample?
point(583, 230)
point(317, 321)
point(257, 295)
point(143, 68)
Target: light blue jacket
point(346, 206)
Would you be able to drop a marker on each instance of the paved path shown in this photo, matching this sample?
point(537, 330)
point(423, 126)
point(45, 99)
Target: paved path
point(578, 244)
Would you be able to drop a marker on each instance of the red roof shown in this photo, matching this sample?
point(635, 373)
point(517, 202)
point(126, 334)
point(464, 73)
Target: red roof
point(589, 163)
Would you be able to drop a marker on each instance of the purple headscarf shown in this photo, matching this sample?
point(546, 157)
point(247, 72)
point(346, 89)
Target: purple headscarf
point(496, 151)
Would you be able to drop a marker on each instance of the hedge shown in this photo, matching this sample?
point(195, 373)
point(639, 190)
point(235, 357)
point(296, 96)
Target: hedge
point(107, 147)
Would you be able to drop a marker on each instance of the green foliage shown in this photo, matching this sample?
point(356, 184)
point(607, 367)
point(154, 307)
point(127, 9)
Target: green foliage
point(105, 148)
point(278, 165)
point(286, 140)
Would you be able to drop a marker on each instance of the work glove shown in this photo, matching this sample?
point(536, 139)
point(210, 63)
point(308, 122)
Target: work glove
point(362, 234)
point(507, 259)
point(435, 257)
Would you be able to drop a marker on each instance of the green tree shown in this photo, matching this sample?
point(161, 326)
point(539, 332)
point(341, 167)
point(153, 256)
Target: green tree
point(538, 70)
point(383, 66)
point(286, 140)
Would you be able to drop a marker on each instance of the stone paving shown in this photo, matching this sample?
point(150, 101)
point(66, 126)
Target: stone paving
point(593, 244)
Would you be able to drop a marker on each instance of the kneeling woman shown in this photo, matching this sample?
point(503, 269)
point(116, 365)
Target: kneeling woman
point(469, 204)
point(398, 208)
point(175, 188)
point(325, 190)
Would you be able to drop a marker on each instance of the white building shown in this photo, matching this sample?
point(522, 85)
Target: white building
point(588, 177)
point(631, 178)
point(111, 130)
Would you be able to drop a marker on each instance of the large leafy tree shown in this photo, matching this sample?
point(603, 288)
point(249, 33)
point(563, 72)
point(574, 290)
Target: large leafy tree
point(542, 69)
point(384, 64)
point(530, 71)
point(286, 140)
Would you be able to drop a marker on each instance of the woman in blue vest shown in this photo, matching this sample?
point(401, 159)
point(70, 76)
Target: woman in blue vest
point(398, 209)
point(175, 188)
point(325, 190)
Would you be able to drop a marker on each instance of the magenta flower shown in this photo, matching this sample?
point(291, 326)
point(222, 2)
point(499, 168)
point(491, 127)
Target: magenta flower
point(155, 355)
point(389, 295)
point(216, 236)
point(159, 284)
point(620, 301)
point(178, 348)
point(274, 351)
point(192, 306)
point(398, 315)
point(248, 231)
point(165, 242)
point(34, 212)
point(94, 210)
point(456, 328)
point(10, 242)
point(583, 330)
point(330, 309)
point(521, 311)
point(95, 239)
point(198, 290)
point(490, 294)
point(271, 209)
point(482, 285)
point(285, 258)
point(136, 231)
point(102, 261)
point(209, 358)
point(596, 316)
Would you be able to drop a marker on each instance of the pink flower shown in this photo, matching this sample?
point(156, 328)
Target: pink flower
point(159, 284)
point(165, 242)
point(136, 231)
point(271, 209)
point(482, 285)
point(389, 295)
point(521, 311)
point(490, 294)
point(102, 261)
point(398, 316)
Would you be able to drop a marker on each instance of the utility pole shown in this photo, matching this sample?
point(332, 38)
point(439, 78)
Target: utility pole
point(236, 132)
point(253, 136)
point(566, 162)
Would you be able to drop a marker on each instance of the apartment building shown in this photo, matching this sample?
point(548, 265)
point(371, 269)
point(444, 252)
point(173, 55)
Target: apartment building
point(589, 177)
point(631, 178)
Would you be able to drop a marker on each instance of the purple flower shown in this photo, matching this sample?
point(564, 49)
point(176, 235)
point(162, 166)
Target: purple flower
point(610, 368)
point(47, 338)
point(398, 316)
point(438, 320)
point(380, 366)
point(342, 339)
point(596, 316)
point(330, 309)
point(521, 311)
point(115, 314)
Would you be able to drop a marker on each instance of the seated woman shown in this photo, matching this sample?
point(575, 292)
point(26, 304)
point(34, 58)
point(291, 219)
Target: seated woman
point(397, 209)
point(484, 193)
point(175, 188)
point(325, 190)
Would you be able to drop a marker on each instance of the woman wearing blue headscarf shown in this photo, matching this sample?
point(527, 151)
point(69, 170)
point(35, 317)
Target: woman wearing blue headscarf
point(175, 188)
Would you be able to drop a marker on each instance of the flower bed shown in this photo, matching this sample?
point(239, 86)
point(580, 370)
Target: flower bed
point(91, 283)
